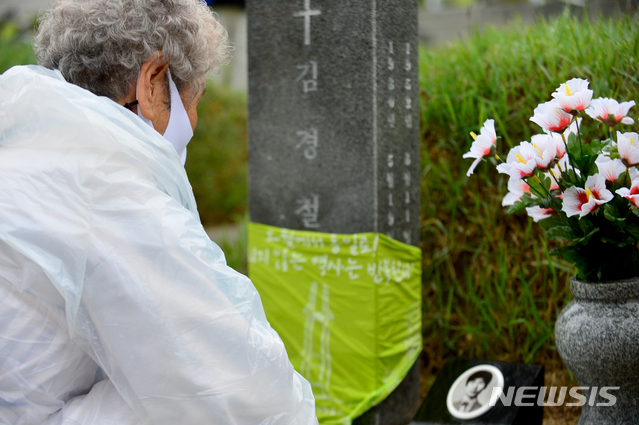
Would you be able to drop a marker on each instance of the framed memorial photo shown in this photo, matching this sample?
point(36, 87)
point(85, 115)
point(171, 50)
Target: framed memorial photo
point(469, 396)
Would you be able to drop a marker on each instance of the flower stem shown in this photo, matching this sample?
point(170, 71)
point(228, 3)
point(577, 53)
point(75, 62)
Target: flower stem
point(552, 173)
point(569, 156)
point(574, 225)
point(548, 194)
point(581, 148)
point(541, 195)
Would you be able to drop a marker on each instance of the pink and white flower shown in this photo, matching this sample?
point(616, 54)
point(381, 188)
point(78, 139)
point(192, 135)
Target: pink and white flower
point(545, 150)
point(560, 142)
point(538, 213)
point(610, 112)
point(628, 147)
point(573, 95)
point(520, 163)
point(551, 117)
point(516, 189)
point(482, 145)
point(631, 194)
point(584, 201)
point(611, 169)
point(560, 145)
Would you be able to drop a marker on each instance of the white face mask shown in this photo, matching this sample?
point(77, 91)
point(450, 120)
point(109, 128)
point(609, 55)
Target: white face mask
point(178, 131)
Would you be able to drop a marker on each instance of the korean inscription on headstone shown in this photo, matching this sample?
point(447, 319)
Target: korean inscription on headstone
point(333, 127)
point(333, 123)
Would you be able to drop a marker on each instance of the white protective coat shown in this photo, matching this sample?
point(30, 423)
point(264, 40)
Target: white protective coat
point(115, 306)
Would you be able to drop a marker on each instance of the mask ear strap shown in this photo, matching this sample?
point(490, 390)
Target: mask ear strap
point(130, 105)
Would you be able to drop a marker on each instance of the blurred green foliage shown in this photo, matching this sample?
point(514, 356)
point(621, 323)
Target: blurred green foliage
point(15, 46)
point(216, 161)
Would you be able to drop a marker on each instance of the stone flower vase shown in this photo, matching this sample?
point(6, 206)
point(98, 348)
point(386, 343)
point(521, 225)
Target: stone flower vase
point(597, 336)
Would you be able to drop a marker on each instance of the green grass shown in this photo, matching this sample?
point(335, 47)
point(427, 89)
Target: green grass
point(15, 46)
point(216, 161)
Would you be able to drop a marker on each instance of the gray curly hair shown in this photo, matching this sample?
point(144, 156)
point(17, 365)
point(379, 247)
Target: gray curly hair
point(100, 45)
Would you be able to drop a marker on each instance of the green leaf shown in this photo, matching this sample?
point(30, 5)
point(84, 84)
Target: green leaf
point(594, 147)
point(573, 149)
point(612, 213)
point(585, 224)
point(536, 188)
point(546, 202)
point(561, 232)
point(618, 240)
point(633, 229)
point(568, 253)
point(524, 201)
point(517, 206)
point(584, 239)
point(552, 221)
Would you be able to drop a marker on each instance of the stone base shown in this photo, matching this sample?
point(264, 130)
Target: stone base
point(434, 411)
point(400, 406)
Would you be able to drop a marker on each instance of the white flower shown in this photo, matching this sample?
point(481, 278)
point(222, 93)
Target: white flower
point(482, 145)
point(560, 145)
point(516, 189)
point(611, 169)
point(573, 95)
point(545, 149)
point(538, 213)
point(520, 162)
point(610, 112)
point(628, 147)
point(584, 201)
point(631, 194)
point(551, 117)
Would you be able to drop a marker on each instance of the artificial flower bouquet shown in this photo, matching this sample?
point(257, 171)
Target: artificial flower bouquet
point(585, 192)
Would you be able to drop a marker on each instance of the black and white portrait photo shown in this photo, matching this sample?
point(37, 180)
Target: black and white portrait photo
point(469, 395)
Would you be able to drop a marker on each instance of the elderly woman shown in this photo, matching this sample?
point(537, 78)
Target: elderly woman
point(115, 306)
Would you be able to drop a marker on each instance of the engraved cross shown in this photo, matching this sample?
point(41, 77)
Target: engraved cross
point(307, 13)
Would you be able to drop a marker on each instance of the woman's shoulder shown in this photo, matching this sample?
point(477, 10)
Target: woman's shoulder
point(54, 127)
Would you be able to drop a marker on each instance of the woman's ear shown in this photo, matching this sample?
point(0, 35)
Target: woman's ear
point(151, 88)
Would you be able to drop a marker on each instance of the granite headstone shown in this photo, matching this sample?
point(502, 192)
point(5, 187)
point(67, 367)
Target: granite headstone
point(334, 126)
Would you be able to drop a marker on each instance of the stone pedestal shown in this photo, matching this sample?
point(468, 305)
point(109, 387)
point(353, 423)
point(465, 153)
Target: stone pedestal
point(334, 120)
point(596, 337)
point(434, 411)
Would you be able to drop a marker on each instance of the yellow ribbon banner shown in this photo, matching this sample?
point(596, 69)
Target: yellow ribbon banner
point(348, 308)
